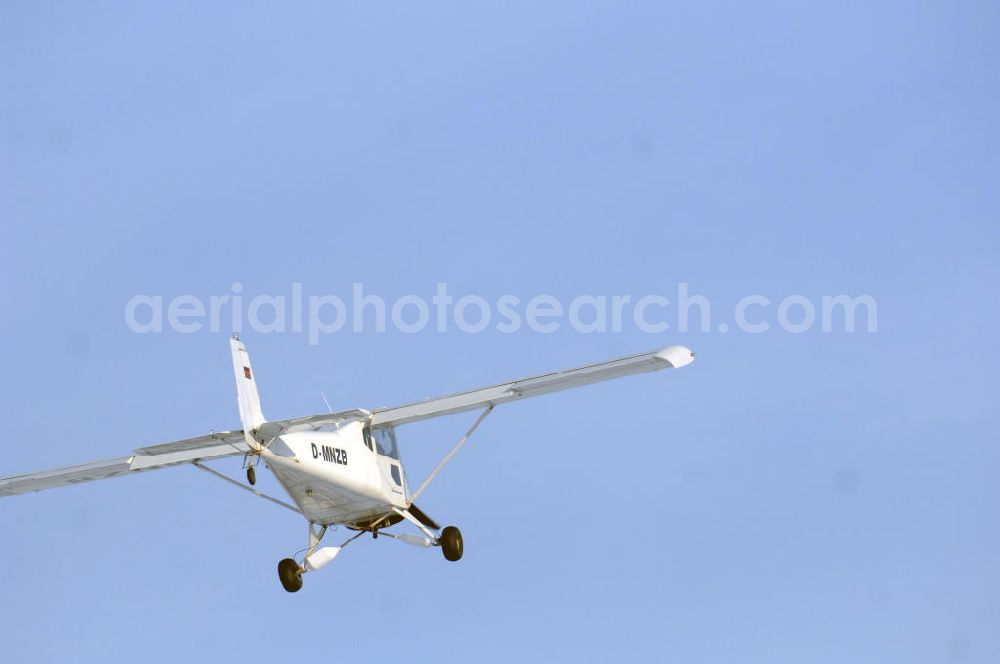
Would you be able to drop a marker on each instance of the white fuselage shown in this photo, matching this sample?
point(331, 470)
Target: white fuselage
point(339, 475)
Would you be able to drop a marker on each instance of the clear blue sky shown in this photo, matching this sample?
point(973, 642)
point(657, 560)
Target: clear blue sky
point(788, 498)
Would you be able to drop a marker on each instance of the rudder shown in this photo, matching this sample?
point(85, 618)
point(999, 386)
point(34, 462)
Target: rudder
point(246, 386)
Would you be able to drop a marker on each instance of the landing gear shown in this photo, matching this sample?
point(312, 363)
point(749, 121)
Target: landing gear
point(451, 543)
point(248, 462)
point(290, 574)
point(289, 571)
point(450, 539)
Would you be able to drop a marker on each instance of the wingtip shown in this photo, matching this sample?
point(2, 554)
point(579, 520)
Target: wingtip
point(676, 356)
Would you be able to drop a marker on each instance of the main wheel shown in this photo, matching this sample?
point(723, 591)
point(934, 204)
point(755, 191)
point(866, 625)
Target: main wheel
point(251, 475)
point(290, 574)
point(451, 543)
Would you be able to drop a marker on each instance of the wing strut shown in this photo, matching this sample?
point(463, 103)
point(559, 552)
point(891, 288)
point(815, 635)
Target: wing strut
point(229, 479)
point(456, 448)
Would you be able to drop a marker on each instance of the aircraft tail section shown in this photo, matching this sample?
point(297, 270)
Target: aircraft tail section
point(246, 387)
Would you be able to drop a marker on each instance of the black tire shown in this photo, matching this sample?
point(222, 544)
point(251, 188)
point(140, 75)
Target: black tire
point(451, 543)
point(251, 476)
point(290, 574)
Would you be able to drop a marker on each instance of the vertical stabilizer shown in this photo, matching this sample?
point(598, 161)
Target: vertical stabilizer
point(246, 387)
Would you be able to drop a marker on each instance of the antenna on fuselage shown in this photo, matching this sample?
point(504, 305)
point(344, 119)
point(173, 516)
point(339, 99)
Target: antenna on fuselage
point(328, 406)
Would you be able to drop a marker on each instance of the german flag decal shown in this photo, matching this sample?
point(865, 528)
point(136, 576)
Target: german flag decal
point(246, 372)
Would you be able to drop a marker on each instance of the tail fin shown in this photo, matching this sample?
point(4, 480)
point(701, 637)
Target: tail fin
point(246, 387)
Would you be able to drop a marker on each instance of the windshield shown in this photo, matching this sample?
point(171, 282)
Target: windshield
point(385, 441)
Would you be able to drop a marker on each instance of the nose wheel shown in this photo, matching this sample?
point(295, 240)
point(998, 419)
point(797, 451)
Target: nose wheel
point(451, 543)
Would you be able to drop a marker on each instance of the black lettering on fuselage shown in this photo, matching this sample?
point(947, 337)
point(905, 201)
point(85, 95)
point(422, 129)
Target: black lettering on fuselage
point(330, 454)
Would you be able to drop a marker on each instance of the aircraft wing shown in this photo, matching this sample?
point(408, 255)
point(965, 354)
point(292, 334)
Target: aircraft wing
point(231, 443)
point(211, 446)
point(670, 357)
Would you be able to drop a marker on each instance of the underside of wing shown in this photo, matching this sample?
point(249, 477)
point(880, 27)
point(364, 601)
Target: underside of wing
point(670, 357)
point(211, 446)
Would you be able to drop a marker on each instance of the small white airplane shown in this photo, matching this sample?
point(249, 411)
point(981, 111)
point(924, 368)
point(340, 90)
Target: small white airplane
point(339, 468)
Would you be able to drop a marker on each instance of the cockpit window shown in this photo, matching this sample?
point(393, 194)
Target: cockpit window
point(385, 441)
